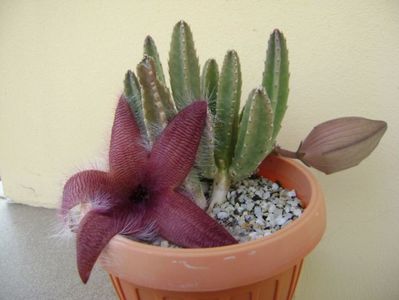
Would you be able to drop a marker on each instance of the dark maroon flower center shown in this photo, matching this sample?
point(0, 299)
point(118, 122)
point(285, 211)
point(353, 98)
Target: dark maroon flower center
point(140, 194)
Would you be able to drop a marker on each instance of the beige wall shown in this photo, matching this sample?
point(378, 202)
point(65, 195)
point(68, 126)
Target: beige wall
point(61, 70)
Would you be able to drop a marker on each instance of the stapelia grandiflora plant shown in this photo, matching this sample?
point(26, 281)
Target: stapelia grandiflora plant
point(235, 142)
point(140, 192)
point(167, 190)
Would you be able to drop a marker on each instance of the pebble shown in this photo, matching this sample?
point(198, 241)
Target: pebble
point(250, 205)
point(275, 187)
point(297, 212)
point(280, 220)
point(260, 221)
point(258, 211)
point(164, 243)
point(222, 215)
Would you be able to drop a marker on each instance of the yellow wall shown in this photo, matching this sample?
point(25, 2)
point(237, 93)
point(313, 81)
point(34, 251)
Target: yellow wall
point(61, 70)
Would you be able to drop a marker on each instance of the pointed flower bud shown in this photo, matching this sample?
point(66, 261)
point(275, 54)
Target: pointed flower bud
point(341, 143)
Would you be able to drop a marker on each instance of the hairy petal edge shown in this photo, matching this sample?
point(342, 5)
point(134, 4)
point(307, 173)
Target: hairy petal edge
point(82, 187)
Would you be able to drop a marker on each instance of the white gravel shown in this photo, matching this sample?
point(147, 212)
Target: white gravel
point(257, 207)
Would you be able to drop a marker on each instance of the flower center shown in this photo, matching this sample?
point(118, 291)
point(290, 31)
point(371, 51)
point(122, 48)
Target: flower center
point(140, 194)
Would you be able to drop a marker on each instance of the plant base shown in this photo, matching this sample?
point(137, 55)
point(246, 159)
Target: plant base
point(279, 287)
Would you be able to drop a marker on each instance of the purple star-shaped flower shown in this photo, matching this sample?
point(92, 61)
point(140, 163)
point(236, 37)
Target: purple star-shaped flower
point(140, 190)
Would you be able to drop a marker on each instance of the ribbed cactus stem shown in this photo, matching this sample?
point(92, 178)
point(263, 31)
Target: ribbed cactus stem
point(184, 68)
point(150, 49)
point(255, 135)
point(205, 161)
point(184, 74)
point(227, 110)
point(157, 102)
point(276, 77)
point(132, 93)
point(221, 186)
point(209, 83)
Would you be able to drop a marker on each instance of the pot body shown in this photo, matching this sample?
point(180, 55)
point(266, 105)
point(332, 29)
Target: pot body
point(279, 287)
point(264, 269)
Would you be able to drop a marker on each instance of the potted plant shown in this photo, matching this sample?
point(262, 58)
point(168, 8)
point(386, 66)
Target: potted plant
point(181, 173)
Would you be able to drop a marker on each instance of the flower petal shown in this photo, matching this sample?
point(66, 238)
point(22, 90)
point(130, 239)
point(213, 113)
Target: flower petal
point(84, 186)
point(182, 222)
point(174, 152)
point(97, 228)
point(127, 155)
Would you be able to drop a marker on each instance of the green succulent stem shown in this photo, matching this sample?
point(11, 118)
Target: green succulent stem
point(254, 140)
point(157, 102)
point(209, 83)
point(227, 110)
point(205, 158)
point(184, 68)
point(221, 186)
point(132, 93)
point(150, 49)
point(276, 77)
point(234, 142)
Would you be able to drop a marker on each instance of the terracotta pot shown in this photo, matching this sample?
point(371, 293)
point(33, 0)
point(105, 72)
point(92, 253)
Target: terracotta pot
point(264, 269)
